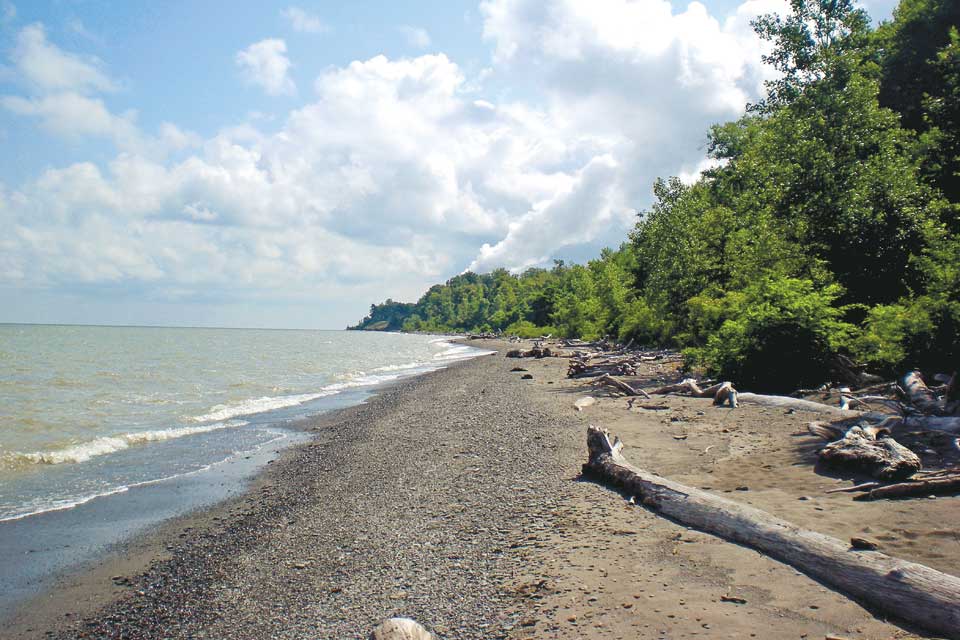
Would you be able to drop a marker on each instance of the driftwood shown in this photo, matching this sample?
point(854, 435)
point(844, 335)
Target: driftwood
point(913, 592)
point(866, 486)
point(536, 352)
point(797, 404)
point(581, 369)
point(913, 488)
point(400, 629)
point(870, 449)
point(846, 371)
point(620, 385)
point(947, 424)
point(721, 392)
point(920, 395)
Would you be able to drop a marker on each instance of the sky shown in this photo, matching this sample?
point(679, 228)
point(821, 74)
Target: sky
point(277, 164)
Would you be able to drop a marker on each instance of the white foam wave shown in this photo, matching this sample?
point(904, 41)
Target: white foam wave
point(403, 367)
point(258, 405)
point(109, 444)
point(270, 403)
point(69, 503)
point(459, 352)
point(386, 373)
point(60, 505)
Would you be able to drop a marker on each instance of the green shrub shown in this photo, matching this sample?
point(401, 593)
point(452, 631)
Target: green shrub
point(526, 329)
point(644, 324)
point(913, 333)
point(779, 334)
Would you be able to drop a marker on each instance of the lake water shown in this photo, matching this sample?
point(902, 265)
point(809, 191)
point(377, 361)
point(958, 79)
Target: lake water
point(87, 412)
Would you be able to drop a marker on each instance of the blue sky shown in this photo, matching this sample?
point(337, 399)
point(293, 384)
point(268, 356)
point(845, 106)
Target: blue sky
point(286, 164)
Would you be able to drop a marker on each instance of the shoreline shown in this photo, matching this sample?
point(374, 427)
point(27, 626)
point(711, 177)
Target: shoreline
point(88, 600)
point(454, 498)
point(57, 541)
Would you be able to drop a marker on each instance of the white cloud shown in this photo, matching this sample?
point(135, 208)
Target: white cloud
point(73, 115)
point(265, 64)
point(560, 222)
point(398, 172)
point(62, 90)
point(304, 22)
point(46, 67)
point(416, 36)
point(632, 81)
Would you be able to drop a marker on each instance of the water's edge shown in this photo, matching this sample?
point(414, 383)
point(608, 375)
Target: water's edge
point(40, 551)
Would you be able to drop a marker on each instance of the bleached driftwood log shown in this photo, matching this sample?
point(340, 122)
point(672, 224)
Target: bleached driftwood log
point(797, 404)
point(721, 392)
point(620, 385)
point(915, 487)
point(868, 448)
point(400, 629)
point(920, 395)
point(912, 592)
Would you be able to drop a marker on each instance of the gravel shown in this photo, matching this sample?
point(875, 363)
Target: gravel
point(419, 503)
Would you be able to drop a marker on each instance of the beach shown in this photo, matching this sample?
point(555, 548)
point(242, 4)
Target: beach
point(454, 498)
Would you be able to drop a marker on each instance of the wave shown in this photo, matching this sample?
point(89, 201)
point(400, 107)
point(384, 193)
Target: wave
point(271, 403)
point(403, 367)
point(62, 504)
point(108, 444)
point(386, 373)
point(459, 352)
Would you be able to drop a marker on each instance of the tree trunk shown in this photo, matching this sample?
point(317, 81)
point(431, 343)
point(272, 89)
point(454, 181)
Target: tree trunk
point(913, 592)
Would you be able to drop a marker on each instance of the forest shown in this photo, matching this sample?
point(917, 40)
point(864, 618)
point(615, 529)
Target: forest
point(830, 225)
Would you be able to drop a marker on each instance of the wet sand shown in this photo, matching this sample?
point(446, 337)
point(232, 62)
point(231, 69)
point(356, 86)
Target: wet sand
point(454, 498)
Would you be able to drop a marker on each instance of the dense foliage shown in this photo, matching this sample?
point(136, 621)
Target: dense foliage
point(831, 223)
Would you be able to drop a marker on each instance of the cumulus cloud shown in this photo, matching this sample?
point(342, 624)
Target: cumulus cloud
point(266, 64)
point(397, 173)
point(303, 21)
point(416, 36)
point(46, 67)
point(633, 81)
point(73, 115)
point(63, 94)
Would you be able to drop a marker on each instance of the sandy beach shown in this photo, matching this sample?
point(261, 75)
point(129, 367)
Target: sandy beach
point(454, 499)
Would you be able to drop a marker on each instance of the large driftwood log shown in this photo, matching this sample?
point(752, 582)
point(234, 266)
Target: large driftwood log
point(913, 592)
point(797, 404)
point(400, 629)
point(872, 450)
point(920, 395)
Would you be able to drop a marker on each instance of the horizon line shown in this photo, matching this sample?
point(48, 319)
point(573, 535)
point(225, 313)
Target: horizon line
point(155, 326)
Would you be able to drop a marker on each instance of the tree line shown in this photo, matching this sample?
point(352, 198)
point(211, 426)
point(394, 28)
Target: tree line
point(829, 225)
